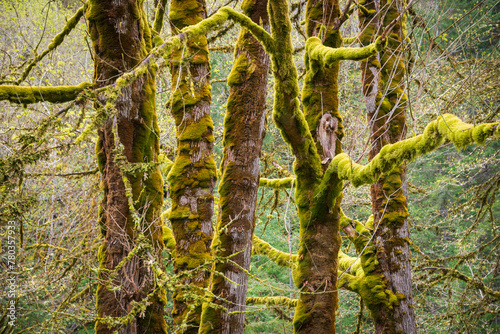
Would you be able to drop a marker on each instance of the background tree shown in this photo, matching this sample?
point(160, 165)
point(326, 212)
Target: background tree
point(243, 136)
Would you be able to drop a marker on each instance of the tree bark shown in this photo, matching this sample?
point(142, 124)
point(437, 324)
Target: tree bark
point(316, 273)
point(192, 177)
point(384, 90)
point(243, 137)
point(128, 300)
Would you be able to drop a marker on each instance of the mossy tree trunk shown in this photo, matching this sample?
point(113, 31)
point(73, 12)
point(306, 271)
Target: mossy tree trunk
point(314, 139)
point(386, 101)
point(128, 300)
point(243, 137)
point(319, 232)
point(192, 177)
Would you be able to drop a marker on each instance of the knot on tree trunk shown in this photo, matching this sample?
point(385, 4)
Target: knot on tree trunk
point(327, 136)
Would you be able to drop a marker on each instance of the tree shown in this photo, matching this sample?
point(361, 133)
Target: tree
point(240, 179)
point(130, 210)
point(211, 266)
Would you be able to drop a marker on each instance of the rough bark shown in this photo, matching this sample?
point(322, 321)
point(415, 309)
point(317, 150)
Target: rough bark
point(383, 88)
point(316, 273)
point(192, 177)
point(243, 137)
point(128, 301)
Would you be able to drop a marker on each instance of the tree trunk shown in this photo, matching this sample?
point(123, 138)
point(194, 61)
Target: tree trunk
point(384, 91)
point(192, 177)
point(243, 137)
point(316, 272)
point(128, 300)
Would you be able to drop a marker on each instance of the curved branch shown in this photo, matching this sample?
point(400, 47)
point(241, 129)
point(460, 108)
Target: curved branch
point(326, 55)
point(446, 127)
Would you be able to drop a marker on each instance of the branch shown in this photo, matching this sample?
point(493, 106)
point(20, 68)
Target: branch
point(282, 259)
point(344, 16)
point(56, 41)
point(327, 56)
point(356, 231)
point(257, 31)
point(350, 265)
point(85, 173)
point(272, 301)
point(285, 183)
point(445, 127)
point(472, 281)
point(165, 49)
point(159, 14)
point(28, 95)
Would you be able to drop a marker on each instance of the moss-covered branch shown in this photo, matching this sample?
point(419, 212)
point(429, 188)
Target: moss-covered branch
point(284, 183)
point(356, 231)
point(356, 275)
point(168, 236)
point(207, 25)
point(326, 55)
point(56, 41)
point(282, 259)
point(272, 301)
point(28, 95)
point(446, 127)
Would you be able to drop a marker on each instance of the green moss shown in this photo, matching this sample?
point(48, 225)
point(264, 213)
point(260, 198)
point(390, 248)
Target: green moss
point(446, 126)
point(282, 259)
point(326, 56)
point(241, 69)
point(278, 301)
point(285, 183)
point(28, 95)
